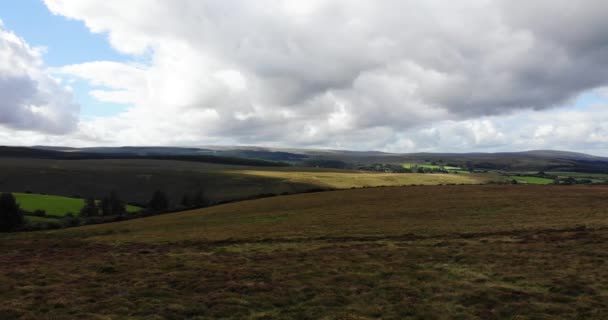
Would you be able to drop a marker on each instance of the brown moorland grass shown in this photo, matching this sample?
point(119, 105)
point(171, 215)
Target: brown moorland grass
point(339, 179)
point(392, 211)
point(425, 252)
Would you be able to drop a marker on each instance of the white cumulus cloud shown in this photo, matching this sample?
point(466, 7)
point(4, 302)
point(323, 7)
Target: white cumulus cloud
point(349, 73)
point(31, 99)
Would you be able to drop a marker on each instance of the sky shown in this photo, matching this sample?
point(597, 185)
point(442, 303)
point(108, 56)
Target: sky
point(393, 75)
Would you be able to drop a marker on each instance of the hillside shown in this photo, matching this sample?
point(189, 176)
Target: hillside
point(151, 153)
point(392, 211)
point(440, 252)
point(136, 179)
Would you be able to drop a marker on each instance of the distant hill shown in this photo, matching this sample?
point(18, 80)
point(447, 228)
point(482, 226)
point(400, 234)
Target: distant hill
point(140, 151)
point(248, 153)
point(25, 152)
point(154, 153)
point(563, 155)
point(533, 160)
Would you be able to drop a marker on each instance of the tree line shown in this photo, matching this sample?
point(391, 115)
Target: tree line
point(109, 208)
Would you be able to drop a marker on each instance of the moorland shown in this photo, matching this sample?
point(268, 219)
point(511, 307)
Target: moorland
point(287, 234)
point(414, 252)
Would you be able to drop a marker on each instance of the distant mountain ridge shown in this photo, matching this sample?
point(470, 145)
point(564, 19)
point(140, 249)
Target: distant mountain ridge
point(299, 154)
point(531, 160)
point(149, 150)
point(563, 154)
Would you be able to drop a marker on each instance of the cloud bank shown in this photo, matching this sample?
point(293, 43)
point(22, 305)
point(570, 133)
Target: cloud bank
point(392, 75)
point(30, 98)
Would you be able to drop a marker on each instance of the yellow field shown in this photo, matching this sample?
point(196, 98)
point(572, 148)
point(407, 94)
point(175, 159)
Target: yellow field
point(355, 179)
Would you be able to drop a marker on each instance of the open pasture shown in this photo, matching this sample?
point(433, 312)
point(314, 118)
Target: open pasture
point(54, 205)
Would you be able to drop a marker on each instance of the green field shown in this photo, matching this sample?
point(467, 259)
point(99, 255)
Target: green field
point(54, 205)
point(530, 180)
point(418, 252)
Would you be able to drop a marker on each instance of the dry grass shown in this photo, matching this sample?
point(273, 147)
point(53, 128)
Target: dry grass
point(426, 252)
point(344, 180)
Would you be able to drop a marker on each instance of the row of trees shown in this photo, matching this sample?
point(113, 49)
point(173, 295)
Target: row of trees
point(196, 199)
point(160, 201)
point(110, 205)
point(93, 211)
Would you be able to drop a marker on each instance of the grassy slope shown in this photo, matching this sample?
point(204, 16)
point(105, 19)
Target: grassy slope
point(54, 205)
point(425, 210)
point(442, 252)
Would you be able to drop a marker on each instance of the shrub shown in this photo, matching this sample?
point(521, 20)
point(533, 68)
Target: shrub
point(70, 221)
point(39, 213)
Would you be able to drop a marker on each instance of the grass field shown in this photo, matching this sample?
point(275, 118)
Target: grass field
point(54, 205)
point(422, 252)
point(345, 180)
point(530, 180)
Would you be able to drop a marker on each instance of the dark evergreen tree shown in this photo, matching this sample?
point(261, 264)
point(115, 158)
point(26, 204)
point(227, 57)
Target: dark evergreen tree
point(199, 199)
point(159, 201)
point(186, 201)
point(11, 217)
point(112, 205)
point(105, 207)
point(119, 207)
point(90, 208)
